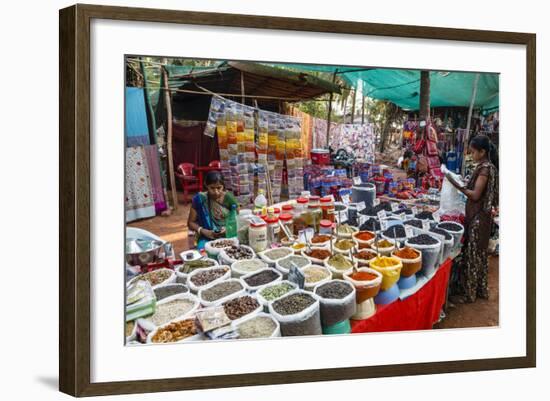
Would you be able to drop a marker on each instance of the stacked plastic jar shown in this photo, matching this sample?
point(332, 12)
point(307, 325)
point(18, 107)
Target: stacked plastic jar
point(288, 222)
point(300, 210)
point(327, 208)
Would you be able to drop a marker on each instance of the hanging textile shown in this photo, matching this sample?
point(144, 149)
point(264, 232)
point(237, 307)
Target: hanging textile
point(319, 135)
point(139, 194)
point(357, 139)
point(136, 127)
point(307, 129)
point(151, 153)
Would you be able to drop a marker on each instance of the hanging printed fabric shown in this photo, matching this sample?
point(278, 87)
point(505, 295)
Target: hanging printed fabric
point(356, 139)
point(139, 200)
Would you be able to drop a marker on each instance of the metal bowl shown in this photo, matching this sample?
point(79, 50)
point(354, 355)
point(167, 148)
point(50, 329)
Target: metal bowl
point(140, 252)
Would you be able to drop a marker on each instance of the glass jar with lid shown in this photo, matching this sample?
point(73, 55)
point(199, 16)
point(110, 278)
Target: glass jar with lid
point(288, 222)
point(327, 208)
point(313, 216)
point(243, 222)
point(272, 230)
point(313, 200)
point(325, 227)
point(257, 235)
point(288, 209)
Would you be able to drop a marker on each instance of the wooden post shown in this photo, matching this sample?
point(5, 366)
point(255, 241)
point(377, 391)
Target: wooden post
point(468, 121)
point(168, 101)
point(242, 88)
point(330, 107)
point(345, 106)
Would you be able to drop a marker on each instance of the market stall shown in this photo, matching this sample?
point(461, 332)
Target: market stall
point(307, 266)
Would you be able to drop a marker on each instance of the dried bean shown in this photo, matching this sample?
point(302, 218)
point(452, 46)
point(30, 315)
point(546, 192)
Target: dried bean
point(261, 278)
point(449, 226)
point(257, 327)
point(240, 307)
point(207, 276)
point(397, 231)
point(221, 290)
point(423, 239)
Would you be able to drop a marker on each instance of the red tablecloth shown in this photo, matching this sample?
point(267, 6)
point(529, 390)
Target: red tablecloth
point(418, 312)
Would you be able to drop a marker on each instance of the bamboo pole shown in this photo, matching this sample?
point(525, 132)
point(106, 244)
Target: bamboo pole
point(168, 101)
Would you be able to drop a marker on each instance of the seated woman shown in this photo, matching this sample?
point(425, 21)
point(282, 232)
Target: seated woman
point(209, 209)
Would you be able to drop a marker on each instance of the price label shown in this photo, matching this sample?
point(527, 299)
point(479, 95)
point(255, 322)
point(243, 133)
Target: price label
point(341, 217)
point(362, 219)
point(360, 206)
point(383, 225)
point(345, 199)
point(402, 216)
point(306, 235)
point(296, 276)
point(425, 225)
point(381, 214)
point(409, 216)
point(437, 215)
point(394, 206)
point(414, 210)
point(356, 180)
point(376, 202)
point(408, 231)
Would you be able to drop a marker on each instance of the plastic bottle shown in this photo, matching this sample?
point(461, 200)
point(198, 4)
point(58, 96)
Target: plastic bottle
point(231, 223)
point(260, 202)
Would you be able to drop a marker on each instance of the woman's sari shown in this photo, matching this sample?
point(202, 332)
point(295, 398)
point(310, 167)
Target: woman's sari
point(211, 214)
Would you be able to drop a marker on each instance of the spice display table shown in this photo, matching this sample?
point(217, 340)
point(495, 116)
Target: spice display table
point(419, 311)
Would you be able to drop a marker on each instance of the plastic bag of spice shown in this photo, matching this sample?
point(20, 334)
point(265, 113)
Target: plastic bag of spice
point(177, 331)
point(187, 267)
point(237, 308)
point(315, 254)
point(272, 292)
point(390, 269)
point(298, 314)
point(367, 283)
point(208, 275)
point(228, 256)
point(271, 256)
point(219, 292)
point(175, 307)
point(411, 259)
point(337, 301)
point(214, 247)
point(258, 279)
point(430, 253)
point(261, 325)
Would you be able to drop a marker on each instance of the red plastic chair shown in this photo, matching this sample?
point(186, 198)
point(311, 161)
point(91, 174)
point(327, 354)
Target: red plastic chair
point(215, 163)
point(188, 181)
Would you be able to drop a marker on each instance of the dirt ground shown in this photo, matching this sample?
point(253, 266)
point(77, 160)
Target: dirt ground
point(482, 313)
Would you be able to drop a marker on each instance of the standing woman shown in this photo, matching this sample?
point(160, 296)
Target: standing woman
point(482, 194)
point(209, 209)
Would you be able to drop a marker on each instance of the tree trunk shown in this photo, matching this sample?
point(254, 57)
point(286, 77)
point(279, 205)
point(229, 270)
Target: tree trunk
point(389, 116)
point(424, 105)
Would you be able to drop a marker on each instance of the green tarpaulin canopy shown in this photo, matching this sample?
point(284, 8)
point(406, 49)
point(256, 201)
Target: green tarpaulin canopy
point(402, 87)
